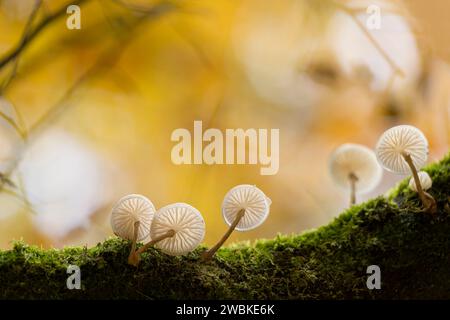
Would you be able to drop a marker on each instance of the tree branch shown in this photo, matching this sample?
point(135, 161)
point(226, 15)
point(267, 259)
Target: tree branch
point(328, 263)
point(108, 58)
point(25, 41)
point(19, 126)
point(352, 13)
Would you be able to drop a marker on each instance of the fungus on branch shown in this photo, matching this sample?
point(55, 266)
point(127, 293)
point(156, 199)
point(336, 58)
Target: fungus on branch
point(425, 181)
point(355, 168)
point(404, 149)
point(244, 207)
point(176, 229)
point(131, 218)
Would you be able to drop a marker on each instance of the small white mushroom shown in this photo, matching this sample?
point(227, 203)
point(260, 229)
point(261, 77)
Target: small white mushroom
point(176, 229)
point(129, 210)
point(244, 207)
point(425, 181)
point(249, 198)
point(131, 218)
point(355, 168)
point(398, 142)
point(404, 149)
point(187, 224)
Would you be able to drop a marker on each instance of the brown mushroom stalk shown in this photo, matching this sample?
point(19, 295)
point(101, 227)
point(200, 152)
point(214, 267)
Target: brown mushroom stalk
point(427, 200)
point(131, 218)
point(355, 168)
point(168, 234)
point(135, 258)
point(207, 255)
point(132, 257)
point(353, 179)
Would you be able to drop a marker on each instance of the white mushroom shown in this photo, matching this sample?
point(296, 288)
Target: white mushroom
point(244, 207)
point(404, 149)
point(186, 222)
point(176, 229)
point(131, 218)
point(398, 142)
point(252, 200)
point(129, 210)
point(355, 168)
point(425, 181)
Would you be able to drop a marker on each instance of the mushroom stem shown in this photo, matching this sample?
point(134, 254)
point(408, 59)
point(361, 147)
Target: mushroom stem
point(131, 257)
point(353, 179)
point(169, 234)
point(137, 255)
point(427, 200)
point(207, 255)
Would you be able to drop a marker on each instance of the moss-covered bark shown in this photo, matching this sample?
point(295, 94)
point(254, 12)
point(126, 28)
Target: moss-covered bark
point(412, 249)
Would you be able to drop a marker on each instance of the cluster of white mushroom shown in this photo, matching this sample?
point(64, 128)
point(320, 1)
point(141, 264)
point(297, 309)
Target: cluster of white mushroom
point(402, 149)
point(175, 229)
point(179, 228)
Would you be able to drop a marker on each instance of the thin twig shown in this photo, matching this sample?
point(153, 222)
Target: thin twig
point(10, 77)
point(108, 58)
point(25, 35)
point(16, 195)
point(20, 126)
point(353, 15)
point(24, 194)
point(24, 42)
point(14, 125)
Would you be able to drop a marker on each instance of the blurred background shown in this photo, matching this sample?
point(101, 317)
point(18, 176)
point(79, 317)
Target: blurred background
point(86, 115)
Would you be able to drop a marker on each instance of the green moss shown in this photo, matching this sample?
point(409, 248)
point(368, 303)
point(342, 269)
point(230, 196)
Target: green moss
point(412, 249)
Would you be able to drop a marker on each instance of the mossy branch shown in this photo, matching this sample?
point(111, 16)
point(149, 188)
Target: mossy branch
point(411, 247)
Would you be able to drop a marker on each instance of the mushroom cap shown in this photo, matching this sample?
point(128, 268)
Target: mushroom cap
point(425, 181)
point(398, 140)
point(359, 160)
point(186, 221)
point(128, 210)
point(247, 197)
